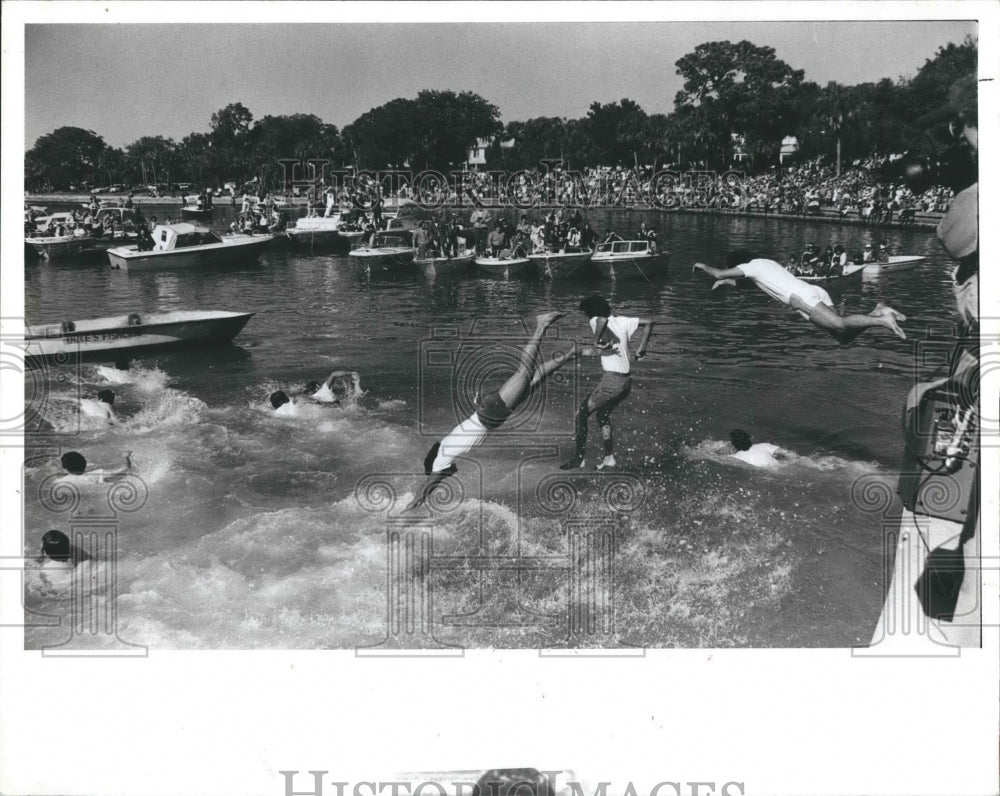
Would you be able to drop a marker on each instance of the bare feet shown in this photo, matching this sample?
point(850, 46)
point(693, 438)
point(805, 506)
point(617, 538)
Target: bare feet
point(723, 282)
point(546, 319)
point(889, 322)
point(882, 310)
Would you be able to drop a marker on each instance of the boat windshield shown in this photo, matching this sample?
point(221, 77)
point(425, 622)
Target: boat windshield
point(197, 238)
point(623, 247)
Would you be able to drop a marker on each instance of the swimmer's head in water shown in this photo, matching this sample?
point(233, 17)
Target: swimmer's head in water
point(740, 439)
point(73, 462)
point(595, 307)
point(738, 257)
point(55, 545)
point(279, 399)
point(312, 387)
point(451, 469)
point(106, 396)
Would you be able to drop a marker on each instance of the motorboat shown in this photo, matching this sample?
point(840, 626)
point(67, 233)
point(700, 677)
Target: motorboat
point(435, 266)
point(851, 275)
point(896, 262)
point(50, 246)
point(630, 259)
point(341, 228)
point(187, 246)
point(560, 263)
point(503, 267)
point(124, 335)
point(387, 252)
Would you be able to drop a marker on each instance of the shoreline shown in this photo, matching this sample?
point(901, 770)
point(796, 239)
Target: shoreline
point(922, 220)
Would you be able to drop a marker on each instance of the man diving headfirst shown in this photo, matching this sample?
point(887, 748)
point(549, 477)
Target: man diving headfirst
point(494, 408)
point(810, 300)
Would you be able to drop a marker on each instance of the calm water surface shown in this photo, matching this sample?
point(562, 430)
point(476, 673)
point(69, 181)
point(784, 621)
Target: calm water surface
point(251, 536)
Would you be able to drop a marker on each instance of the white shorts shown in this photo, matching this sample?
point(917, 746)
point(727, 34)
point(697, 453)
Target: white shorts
point(812, 295)
point(463, 438)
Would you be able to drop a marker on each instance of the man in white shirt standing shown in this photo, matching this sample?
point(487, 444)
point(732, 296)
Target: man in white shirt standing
point(611, 336)
point(810, 300)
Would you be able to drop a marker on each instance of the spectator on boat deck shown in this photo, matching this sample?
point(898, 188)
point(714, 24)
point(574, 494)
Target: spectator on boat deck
point(792, 264)
point(128, 200)
point(495, 241)
point(611, 236)
point(480, 220)
point(573, 241)
point(868, 256)
point(839, 259)
point(651, 239)
point(883, 253)
point(422, 239)
point(588, 237)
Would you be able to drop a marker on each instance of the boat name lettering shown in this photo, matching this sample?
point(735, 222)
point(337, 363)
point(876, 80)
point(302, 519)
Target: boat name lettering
point(98, 337)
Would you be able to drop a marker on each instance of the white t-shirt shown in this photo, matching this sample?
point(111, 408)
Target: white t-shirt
point(759, 455)
point(781, 284)
point(462, 439)
point(616, 360)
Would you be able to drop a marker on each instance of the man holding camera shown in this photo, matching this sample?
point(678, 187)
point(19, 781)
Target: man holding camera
point(941, 417)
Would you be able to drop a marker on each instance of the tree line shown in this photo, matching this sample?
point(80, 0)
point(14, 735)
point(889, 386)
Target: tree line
point(737, 102)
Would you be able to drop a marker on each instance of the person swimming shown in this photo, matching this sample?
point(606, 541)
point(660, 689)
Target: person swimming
point(763, 454)
point(75, 463)
point(339, 385)
point(57, 547)
point(103, 407)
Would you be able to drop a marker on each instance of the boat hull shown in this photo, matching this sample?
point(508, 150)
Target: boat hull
point(231, 251)
point(57, 248)
point(192, 212)
point(121, 335)
point(436, 266)
point(496, 268)
point(555, 264)
point(897, 262)
point(631, 266)
point(316, 238)
point(393, 259)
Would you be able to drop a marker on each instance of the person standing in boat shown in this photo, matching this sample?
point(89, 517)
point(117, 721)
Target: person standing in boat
point(495, 242)
point(811, 301)
point(480, 221)
point(611, 336)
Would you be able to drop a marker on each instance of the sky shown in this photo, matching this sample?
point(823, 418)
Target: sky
point(130, 80)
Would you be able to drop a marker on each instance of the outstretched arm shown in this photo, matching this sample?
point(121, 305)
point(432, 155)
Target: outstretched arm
point(647, 329)
point(718, 273)
point(429, 485)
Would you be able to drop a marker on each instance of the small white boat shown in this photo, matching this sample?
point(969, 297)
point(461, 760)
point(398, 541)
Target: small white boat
point(435, 266)
point(503, 267)
point(50, 246)
point(629, 259)
point(897, 262)
point(121, 335)
point(341, 228)
point(850, 276)
point(188, 246)
point(561, 263)
point(389, 252)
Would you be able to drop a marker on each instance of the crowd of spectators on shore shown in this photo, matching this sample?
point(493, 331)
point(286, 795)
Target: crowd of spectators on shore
point(804, 189)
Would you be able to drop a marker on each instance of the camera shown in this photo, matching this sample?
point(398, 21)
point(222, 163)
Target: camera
point(953, 167)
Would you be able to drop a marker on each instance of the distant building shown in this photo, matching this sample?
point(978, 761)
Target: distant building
point(789, 147)
point(477, 153)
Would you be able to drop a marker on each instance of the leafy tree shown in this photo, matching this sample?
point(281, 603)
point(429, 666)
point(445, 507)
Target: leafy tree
point(741, 88)
point(67, 156)
point(150, 159)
